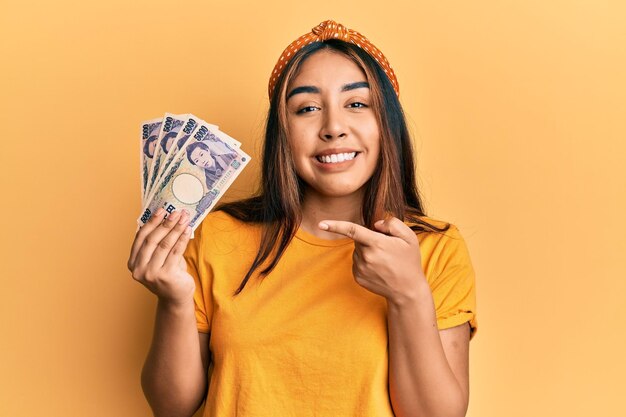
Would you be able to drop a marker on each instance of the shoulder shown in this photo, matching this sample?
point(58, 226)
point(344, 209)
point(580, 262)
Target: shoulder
point(440, 248)
point(221, 231)
point(434, 229)
point(219, 222)
point(450, 274)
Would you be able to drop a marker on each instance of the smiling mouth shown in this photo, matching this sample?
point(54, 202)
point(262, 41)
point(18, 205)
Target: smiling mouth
point(336, 157)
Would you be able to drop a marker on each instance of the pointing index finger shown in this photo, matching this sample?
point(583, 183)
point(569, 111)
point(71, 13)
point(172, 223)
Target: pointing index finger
point(354, 231)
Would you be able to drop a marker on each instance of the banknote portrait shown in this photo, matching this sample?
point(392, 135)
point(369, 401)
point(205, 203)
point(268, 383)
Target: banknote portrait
point(168, 140)
point(149, 146)
point(181, 142)
point(208, 158)
point(187, 164)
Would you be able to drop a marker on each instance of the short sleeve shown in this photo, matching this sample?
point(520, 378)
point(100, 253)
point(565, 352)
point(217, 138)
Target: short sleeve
point(454, 286)
point(198, 269)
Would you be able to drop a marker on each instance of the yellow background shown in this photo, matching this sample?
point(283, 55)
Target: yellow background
point(518, 109)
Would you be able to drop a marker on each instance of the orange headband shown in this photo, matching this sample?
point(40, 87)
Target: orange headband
point(331, 30)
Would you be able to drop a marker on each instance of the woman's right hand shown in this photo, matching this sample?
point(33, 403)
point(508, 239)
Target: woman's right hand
point(156, 257)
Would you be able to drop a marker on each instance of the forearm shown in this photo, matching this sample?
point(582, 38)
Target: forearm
point(421, 381)
point(173, 377)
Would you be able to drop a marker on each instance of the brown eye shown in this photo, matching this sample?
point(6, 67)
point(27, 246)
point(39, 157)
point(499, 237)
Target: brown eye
point(307, 109)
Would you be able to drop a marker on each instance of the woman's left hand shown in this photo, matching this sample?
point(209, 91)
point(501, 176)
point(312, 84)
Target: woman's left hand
point(387, 262)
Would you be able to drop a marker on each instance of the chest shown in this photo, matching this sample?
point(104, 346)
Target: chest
point(309, 306)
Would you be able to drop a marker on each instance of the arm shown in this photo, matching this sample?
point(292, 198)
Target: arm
point(428, 369)
point(174, 377)
point(174, 374)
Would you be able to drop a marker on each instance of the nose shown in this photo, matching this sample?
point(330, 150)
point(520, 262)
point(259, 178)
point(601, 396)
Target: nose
point(333, 124)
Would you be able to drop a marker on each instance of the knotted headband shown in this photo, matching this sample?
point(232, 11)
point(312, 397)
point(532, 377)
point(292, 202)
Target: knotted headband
point(323, 32)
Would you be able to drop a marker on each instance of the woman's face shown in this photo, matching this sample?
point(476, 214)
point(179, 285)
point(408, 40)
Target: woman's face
point(332, 129)
point(202, 158)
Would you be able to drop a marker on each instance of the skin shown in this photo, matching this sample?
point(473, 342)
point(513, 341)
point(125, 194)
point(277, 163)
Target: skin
point(329, 112)
point(174, 377)
point(428, 369)
point(325, 113)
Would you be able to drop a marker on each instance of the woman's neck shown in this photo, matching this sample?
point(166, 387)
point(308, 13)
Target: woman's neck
point(317, 207)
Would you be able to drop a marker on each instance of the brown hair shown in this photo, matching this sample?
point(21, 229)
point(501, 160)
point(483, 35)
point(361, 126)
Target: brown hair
point(391, 191)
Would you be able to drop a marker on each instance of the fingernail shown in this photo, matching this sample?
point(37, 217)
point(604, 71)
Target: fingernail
point(159, 212)
point(323, 226)
point(188, 230)
point(173, 216)
point(184, 217)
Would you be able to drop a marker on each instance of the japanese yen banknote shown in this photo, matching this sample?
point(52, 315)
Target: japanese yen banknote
point(186, 163)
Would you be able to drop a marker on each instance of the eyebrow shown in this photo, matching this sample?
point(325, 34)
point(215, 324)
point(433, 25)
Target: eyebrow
point(314, 90)
point(354, 86)
point(303, 89)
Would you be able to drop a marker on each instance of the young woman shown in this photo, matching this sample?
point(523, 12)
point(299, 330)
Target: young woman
point(330, 293)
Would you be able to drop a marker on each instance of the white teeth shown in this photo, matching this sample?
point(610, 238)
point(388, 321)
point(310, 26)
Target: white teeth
point(335, 158)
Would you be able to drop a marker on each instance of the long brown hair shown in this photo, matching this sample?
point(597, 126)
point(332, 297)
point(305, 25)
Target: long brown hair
point(391, 191)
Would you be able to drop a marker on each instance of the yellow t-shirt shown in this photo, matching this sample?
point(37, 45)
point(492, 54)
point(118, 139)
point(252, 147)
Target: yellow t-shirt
point(306, 340)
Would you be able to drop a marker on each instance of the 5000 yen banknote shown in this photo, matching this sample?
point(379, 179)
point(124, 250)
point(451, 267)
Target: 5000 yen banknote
point(189, 127)
point(204, 168)
point(149, 135)
point(172, 124)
